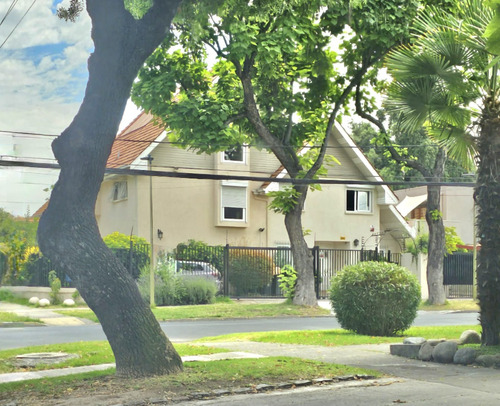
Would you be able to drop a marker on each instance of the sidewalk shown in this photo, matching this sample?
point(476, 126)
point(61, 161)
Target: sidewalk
point(49, 317)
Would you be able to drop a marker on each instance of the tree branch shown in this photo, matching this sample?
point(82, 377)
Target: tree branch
point(393, 151)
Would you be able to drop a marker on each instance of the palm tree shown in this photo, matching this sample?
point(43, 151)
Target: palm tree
point(447, 80)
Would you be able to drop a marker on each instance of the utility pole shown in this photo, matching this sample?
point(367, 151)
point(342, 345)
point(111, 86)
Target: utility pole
point(149, 158)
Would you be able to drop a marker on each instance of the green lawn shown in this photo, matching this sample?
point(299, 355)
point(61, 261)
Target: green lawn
point(6, 317)
point(89, 353)
point(340, 337)
point(197, 377)
point(218, 311)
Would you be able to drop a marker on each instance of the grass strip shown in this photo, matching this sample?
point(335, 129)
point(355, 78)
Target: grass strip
point(6, 317)
point(197, 377)
point(339, 337)
point(218, 311)
point(89, 353)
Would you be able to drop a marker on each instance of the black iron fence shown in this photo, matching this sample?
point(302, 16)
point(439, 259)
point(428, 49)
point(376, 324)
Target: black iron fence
point(254, 271)
point(245, 271)
point(458, 275)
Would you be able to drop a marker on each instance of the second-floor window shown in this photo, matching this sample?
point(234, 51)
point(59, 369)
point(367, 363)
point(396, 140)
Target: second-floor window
point(359, 201)
point(234, 154)
point(233, 202)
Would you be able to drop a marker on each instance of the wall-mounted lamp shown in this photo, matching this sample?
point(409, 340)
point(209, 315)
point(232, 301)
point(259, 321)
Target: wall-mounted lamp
point(160, 234)
point(356, 242)
point(261, 229)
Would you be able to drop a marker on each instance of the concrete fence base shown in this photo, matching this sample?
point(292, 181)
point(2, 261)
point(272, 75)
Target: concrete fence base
point(27, 292)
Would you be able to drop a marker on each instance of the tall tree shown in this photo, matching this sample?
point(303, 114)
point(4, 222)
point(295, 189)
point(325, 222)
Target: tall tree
point(431, 167)
point(68, 233)
point(277, 83)
point(447, 76)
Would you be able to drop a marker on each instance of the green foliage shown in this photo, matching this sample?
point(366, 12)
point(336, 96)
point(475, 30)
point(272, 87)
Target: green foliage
point(411, 145)
point(121, 245)
point(194, 250)
point(375, 298)
point(420, 245)
point(251, 272)
point(119, 240)
point(171, 289)
point(55, 287)
point(17, 236)
point(284, 200)
point(492, 32)
point(452, 240)
point(287, 281)
point(277, 55)
point(436, 215)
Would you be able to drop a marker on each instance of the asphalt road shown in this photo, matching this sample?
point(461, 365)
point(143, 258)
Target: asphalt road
point(179, 331)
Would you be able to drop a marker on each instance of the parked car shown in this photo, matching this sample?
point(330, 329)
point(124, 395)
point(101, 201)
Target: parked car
point(199, 269)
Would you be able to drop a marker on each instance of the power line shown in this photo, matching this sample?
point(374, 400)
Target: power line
point(178, 167)
point(11, 7)
point(19, 22)
point(187, 175)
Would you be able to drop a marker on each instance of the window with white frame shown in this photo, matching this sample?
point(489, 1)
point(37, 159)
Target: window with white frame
point(233, 201)
point(234, 154)
point(359, 201)
point(120, 190)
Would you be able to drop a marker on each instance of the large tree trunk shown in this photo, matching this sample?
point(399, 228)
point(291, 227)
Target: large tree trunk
point(68, 232)
point(305, 294)
point(487, 196)
point(437, 243)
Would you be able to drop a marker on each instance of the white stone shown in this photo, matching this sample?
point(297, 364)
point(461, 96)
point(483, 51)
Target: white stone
point(68, 302)
point(44, 302)
point(34, 300)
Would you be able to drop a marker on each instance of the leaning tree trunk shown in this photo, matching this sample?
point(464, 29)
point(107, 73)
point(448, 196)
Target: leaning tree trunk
point(487, 196)
point(305, 294)
point(437, 243)
point(68, 232)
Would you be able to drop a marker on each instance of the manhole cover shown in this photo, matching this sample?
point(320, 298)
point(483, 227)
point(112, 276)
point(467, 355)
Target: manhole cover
point(35, 358)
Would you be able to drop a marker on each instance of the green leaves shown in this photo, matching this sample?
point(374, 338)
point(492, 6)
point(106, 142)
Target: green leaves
point(492, 32)
point(441, 75)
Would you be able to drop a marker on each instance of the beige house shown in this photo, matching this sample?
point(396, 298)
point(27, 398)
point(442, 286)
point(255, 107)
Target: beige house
point(457, 208)
point(235, 212)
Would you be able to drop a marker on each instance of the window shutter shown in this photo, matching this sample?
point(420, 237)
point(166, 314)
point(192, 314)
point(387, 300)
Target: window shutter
point(234, 196)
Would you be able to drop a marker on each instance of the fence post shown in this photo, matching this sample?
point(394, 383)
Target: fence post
point(317, 276)
point(226, 270)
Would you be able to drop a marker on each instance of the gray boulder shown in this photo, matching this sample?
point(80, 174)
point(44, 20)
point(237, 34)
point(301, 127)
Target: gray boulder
point(444, 352)
point(425, 353)
point(435, 341)
point(488, 361)
point(414, 340)
point(470, 337)
point(465, 356)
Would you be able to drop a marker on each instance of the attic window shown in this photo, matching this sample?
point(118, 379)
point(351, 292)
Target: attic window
point(120, 190)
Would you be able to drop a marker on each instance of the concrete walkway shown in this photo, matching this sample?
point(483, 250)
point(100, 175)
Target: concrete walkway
point(46, 316)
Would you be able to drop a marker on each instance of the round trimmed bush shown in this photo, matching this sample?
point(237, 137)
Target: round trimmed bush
point(375, 298)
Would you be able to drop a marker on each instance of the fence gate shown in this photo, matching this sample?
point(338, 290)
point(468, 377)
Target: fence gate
point(458, 274)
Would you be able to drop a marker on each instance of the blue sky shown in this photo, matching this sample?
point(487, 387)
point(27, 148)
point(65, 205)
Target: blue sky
point(42, 67)
point(43, 74)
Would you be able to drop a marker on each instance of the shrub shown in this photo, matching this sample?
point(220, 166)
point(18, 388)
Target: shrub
point(375, 298)
point(173, 289)
point(197, 291)
point(250, 272)
point(287, 281)
point(55, 287)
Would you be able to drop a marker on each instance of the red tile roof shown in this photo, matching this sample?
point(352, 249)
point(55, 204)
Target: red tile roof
point(133, 141)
